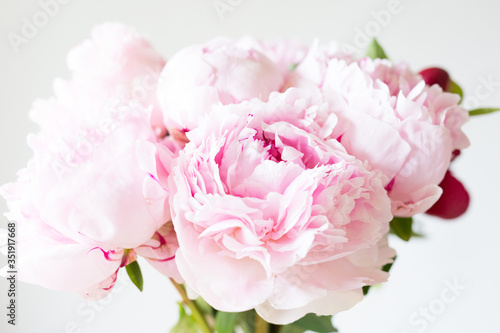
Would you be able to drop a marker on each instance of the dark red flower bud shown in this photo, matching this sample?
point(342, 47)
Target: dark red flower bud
point(453, 202)
point(435, 75)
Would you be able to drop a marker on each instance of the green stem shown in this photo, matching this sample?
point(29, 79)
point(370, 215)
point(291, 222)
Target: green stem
point(261, 326)
point(195, 310)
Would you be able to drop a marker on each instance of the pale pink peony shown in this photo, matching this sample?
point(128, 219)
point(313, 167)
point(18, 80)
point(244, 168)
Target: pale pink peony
point(116, 65)
point(310, 72)
point(218, 72)
point(396, 76)
point(46, 257)
point(270, 216)
point(285, 54)
point(160, 251)
point(390, 118)
point(81, 178)
point(85, 208)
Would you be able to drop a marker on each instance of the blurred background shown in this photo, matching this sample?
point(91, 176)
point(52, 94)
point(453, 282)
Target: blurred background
point(444, 282)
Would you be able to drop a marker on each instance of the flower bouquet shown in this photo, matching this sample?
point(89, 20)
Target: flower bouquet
point(261, 178)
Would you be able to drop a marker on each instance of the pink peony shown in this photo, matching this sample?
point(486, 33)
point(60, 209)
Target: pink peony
point(85, 207)
point(310, 72)
point(218, 72)
point(270, 216)
point(390, 118)
point(48, 258)
point(285, 54)
point(116, 65)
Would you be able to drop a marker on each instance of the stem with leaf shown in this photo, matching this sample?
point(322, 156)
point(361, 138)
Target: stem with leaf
point(195, 310)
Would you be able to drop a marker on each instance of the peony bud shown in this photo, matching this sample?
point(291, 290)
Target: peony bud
point(435, 75)
point(453, 202)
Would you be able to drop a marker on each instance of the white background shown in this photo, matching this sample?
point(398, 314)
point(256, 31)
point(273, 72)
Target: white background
point(462, 36)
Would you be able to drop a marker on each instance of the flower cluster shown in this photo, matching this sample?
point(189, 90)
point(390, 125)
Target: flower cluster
point(263, 175)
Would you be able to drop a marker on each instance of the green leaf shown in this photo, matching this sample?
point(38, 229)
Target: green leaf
point(481, 111)
point(293, 67)
point(226, 321)
point(312, 322)
point(387, 267)
point(455, 89)
point(401, 226)
point(375, 51)
point(186, 323)
point(291, 328)
point(134, 272)
point(416, 235)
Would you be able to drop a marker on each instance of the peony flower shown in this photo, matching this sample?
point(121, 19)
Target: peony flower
point(116, 65)
point(47, 258)
point(85, 208)
point(218, 72)
point(270, 216)
point(388, 117)
point(310, 72)
point(285, 54)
